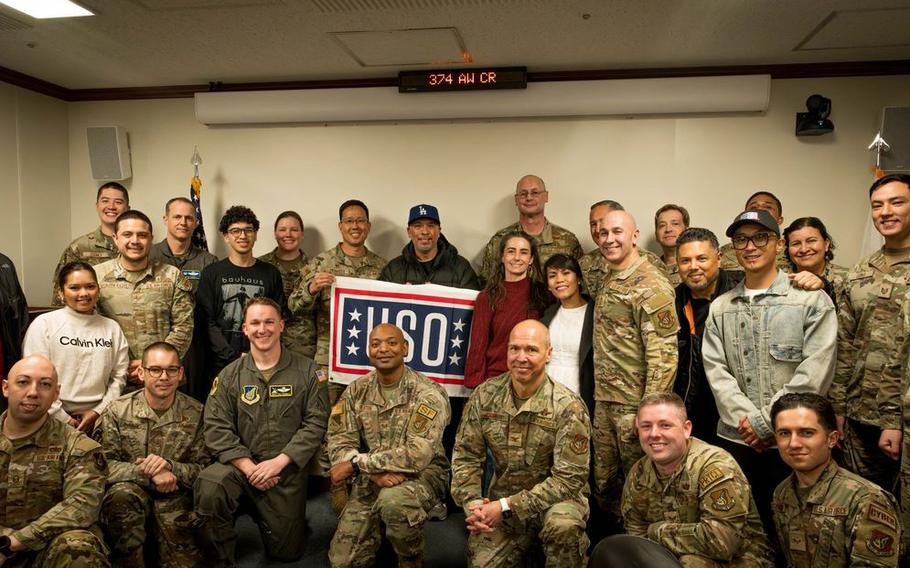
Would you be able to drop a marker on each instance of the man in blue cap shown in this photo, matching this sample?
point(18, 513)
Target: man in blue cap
point(429, 258)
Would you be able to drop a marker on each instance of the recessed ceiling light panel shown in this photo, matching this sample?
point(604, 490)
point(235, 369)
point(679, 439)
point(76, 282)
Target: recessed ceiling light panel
point(43, 9)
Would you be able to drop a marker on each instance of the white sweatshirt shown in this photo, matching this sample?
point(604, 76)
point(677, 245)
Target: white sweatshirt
point(90, 353)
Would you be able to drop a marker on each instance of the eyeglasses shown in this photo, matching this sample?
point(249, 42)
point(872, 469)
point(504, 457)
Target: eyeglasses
point(532, 194)
point(758, 239)
point(237, 231)
point(355, 221)
point(156, 372)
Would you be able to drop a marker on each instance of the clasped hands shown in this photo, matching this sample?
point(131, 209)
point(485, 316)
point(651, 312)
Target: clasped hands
point(158, 471)
point(265, 474)
point(484, 516)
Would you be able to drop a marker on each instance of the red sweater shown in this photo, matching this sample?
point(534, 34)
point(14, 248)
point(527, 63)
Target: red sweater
point(490, 331)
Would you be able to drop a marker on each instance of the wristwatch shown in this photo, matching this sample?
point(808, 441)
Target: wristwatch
point(5, 545)
point(355, 463)
point(506, 510)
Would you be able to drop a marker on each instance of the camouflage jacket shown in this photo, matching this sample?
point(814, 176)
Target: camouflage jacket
point(704, 509)
point(300, 328)
point(635, 327)
point(93, 248)
point(247, 416)
point(541, 450)
point(190, 264)
point(403, 436)
point(51, 482)
point(155, 304)
point(867, 379)
point(836, 276)
point(335, 262)
point(129, 429)
point(843, 521)
point(552, 240)
point(595, 270)
point(728, 259)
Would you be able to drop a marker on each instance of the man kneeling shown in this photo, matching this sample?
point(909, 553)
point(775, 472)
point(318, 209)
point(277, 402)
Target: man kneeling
point(397, 416)
point(539, 433)
point(153, 442)
point(689, 496)
point(52, 478)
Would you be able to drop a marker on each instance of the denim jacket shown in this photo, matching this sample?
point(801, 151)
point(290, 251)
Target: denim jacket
point(754, 351)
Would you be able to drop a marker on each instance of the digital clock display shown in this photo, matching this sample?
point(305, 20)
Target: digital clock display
point(479, 79)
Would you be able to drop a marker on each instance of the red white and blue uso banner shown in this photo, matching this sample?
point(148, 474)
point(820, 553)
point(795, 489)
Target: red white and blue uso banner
point(436, 321)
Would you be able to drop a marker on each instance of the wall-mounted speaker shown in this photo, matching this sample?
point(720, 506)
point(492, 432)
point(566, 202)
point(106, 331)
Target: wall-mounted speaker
point(109, 153)
point(896, 132)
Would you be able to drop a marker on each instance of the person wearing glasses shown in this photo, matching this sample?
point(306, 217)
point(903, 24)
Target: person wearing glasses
point(150, 300)
point(531, 198)
point(153, 442)
point(229, 284)
point(350, 258)
point(764, 338)
point(90, 349)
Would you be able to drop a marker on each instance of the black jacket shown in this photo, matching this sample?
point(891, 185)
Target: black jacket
point(447, 269)
point(691, 382)
point(585, 352)
point(14, 313)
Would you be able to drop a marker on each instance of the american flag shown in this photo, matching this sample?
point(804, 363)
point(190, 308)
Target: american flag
point(436, 321)
point(199, 239)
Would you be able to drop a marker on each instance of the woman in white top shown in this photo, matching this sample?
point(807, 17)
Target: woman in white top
point(571, 324)
point(89, 351)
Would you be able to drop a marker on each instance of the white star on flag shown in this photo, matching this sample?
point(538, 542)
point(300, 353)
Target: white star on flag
point(354, 332)
point(454, 359)
point(353, 349)
point(459, 325)
point(355, 315)
point(456, 342)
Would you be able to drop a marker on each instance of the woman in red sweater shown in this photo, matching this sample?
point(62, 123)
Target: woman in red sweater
point(514, 293)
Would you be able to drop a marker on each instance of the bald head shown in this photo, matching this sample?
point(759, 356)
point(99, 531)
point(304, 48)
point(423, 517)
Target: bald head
point(617, 239)
point(34, 366)
point(527, 356)
point(530, 180)
point(531, 196)
point(531, 328)
point(387, 329)
point(387, 349)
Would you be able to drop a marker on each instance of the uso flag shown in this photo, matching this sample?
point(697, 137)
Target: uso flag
point(436, 321)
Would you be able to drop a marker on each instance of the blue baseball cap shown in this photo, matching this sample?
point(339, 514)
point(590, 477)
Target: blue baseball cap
point(423, 211)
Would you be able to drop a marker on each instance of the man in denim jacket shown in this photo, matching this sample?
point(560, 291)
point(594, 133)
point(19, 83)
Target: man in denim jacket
point(764, 338)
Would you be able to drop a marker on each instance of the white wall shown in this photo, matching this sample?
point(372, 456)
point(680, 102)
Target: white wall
point(710, 164)
point(34, 186)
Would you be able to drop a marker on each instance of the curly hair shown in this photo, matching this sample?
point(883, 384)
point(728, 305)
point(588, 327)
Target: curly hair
point(237, 214)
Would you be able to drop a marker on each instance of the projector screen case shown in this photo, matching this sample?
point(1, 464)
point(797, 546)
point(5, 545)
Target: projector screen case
point(682, 95)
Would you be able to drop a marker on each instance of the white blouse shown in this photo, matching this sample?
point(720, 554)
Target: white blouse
point(565, 337)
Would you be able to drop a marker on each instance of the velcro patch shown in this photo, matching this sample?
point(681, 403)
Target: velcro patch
point(721, 500)
point(880, 543)
point(214, 386)
point(579, 444)
point(425, 410)
point(338, 408)
point(830, 511)
point(545, 423)
point(281, 391)
point(882, 516)
point(710, 477)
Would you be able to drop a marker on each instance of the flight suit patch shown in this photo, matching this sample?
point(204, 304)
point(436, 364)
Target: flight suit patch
point(250, 394)
point(281, 391)
point(880, 543)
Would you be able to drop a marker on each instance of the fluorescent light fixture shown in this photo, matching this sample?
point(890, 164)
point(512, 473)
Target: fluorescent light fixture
point(43, 9)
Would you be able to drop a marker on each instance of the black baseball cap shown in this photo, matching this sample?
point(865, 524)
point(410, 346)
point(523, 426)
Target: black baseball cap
point(754, 217)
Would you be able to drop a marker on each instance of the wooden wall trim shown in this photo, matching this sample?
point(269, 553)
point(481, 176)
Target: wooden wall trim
point(786, 71)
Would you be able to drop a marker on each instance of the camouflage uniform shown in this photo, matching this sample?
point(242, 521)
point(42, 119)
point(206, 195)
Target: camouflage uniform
point(155, 304)
point(844, 520)
point(129, 429)
point(190, 264)
point(635, 354)
point(93, 248)
point(728, 259)
point(542, 457)
point(249, 416)
point(867, 380)
point(552, 240)
point(403, 435)
point(836, 276)
point(52, 483)
point(671, 271)
point(595, 270)
point(300, 328)
point(703, 513)
point(335, 262)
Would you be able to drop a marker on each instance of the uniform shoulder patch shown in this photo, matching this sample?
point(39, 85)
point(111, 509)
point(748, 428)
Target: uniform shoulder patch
point(214, 386)
point(882, 516)
point(579, 444)
point(721, 499)
point(711, 476)
point(250, 394)
point(880, 543)
point(425, 410)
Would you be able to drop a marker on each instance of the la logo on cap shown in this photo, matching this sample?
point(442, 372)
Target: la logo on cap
point(423, 211)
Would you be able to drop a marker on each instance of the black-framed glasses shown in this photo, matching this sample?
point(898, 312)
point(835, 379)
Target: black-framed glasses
point(237, 231)
point(758, 239)
point(156, 372)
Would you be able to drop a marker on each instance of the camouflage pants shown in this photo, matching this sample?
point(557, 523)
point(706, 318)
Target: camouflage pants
point(71, 549)
point(616, 449)
point(561, 529)
point(863, 457)
point(280, 513)
point(127, 508)
point(401, 509)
